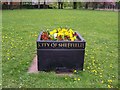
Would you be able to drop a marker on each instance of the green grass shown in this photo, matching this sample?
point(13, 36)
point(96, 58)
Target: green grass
point(19, 34)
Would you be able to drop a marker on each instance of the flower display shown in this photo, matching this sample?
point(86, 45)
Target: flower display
point(59, 34)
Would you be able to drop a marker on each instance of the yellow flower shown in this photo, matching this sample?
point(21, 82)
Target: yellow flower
point(101, 76)
point(75, 79)
point(111, 66)
point(75, 71)
point(113, 76)
point(110, 81)
point(94, 71)
point(65, 78)
point(78, 79)
point(88, 67)
point(109, 86)
point(102, 81)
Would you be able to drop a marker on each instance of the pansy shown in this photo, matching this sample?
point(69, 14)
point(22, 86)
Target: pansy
point(59, 34)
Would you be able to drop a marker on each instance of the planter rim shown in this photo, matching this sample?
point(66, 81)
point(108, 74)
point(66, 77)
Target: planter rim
point(39, 39)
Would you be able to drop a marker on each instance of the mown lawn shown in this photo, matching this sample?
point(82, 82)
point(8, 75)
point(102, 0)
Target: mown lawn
point(20, 29)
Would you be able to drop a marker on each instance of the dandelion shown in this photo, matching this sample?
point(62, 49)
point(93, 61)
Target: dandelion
point(35, 35)
point(102, 81)
point(94, 71)
point(78, 79)
point(113, 76)
point(75, 79)
point(75, 71)
point(109, 86)
point(101, 76)
point(92, 57)
point(111, 66)
point(65, 78)
point(8, 58)
point(88, 67)
point(110, 81)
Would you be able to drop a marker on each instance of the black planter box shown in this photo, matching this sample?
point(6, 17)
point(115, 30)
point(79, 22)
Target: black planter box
point(60, 55)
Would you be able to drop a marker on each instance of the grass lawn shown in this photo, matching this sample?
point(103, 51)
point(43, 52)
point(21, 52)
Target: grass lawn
point(19, 34)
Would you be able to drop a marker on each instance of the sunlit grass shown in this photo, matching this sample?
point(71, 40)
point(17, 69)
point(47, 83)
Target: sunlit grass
point(19, 34)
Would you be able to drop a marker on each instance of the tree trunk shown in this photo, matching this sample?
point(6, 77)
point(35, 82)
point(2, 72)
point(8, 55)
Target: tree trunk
point(94, 5)
point(44, 6)
point(86, 5)
point(74, 5)
point(20, 4)
point(80, 5)
point(59, 5)
point(11, 5)
point(38, 4)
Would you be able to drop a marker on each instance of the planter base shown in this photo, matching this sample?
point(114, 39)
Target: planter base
point(60, 56)
point(33, 69)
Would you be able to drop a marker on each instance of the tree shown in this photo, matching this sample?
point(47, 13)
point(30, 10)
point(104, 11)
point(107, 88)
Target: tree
point(94, 5)
point(60, 4)
point(80, 5)
point(74, 5)
point(11, 5)
point(86, 5)
point(20, 4)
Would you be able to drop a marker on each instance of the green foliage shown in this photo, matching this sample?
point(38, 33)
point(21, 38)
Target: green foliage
point(54, 5)
point(19, 34)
